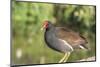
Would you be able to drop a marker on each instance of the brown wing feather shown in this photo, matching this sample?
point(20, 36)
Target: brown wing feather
point(70, 36)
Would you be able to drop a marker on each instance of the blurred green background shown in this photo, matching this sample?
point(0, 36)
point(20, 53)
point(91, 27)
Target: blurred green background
point(28, 45)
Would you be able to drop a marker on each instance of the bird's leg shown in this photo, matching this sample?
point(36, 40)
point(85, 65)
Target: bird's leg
point(63, 58)
point(66, 58)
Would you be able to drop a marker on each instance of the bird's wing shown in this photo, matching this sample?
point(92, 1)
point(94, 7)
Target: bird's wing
point(69, 36)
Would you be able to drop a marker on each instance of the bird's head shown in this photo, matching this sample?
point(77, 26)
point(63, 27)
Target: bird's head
point(46, 25)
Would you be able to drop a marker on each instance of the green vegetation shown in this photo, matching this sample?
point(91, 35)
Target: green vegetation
point(28, 46)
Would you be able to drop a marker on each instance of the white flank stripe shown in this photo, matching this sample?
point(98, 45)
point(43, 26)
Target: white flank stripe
point(81, 47)
point(67, 44)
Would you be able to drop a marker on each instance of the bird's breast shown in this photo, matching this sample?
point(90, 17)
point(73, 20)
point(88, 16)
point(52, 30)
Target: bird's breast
point(56, 44)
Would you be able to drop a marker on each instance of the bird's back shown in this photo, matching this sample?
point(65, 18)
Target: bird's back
point(73, 38)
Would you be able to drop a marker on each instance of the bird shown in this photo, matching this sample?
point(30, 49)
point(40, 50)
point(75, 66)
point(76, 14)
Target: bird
point(63, 39)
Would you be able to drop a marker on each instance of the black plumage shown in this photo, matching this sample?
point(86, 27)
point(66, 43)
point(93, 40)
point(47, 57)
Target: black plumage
point(63, 39)
point(55, 35)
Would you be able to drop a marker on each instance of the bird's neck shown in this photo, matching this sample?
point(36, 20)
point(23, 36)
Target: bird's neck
point(50, 33)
